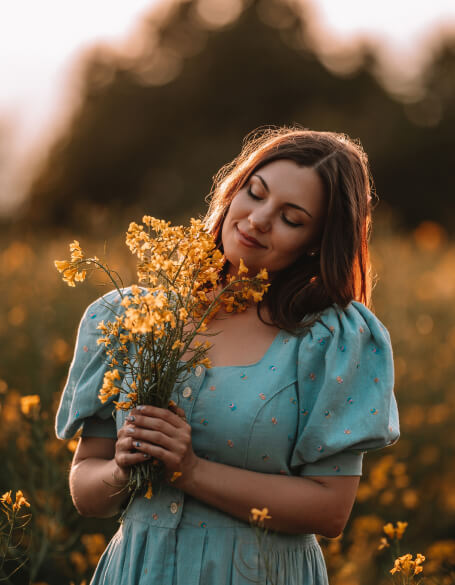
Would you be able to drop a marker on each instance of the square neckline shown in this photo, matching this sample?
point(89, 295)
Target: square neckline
point(258, 362)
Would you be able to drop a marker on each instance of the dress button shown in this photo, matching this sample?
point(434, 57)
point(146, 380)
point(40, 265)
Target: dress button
point(174, 507)
point(187, 392)
point(198, 370)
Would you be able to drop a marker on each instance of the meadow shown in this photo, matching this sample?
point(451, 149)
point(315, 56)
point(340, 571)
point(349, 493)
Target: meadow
point(412, 482)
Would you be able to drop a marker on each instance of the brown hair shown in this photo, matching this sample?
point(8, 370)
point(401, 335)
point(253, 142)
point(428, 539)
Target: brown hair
point(340, 271)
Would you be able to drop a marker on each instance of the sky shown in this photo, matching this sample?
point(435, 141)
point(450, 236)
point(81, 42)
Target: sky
point(40, 43)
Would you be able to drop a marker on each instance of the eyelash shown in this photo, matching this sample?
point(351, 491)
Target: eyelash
point(283, 217)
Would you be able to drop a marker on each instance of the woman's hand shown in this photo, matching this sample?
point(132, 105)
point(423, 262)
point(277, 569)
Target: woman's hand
point(158, 433)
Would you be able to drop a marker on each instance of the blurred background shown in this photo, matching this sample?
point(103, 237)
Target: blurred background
point(110, 110)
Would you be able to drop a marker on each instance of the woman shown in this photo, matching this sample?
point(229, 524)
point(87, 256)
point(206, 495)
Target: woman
point(299, 388)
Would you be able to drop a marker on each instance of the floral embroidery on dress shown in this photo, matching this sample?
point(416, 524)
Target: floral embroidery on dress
point(361, 329)
point(230, 443)
point(243, 376)
point(203, 524)
point(232, 406)
point(326, 413)
point(76, 414)
point(304, 411)
point(347, 431)
point(321, 341)
point(349, 400)
point(374, 411)
point(262, 396)
point(265, 457)
point(212, 388)
point(85, 348)
point(92, 315)
point(342, 348)
point(376, 380)
point(292, 400)
point(274, 421)
point(339, 379)
point(375, 350)
point(204, 422)
point(155, 516)
point(320, 449)
point(312, 376)
point(336, 468)
point(273, 368)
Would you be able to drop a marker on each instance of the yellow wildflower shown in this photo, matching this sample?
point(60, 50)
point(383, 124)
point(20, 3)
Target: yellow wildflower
point(383, 543)
point(72, 445)
point(183, 314)
point(262, 274)
point(6, 498)
point(242, 268)
point(407, 566)
point(176, 475)
point(30, 405)
point(259, 515)
point(395, 532)
point(62, 265)
point(20, 501)
point(125, 405)
point(400, 529)
point(205, 362)
point(76, 252)
point(389, 530)
point(149, 492)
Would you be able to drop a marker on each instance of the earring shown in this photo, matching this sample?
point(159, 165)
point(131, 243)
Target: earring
point(312, 253)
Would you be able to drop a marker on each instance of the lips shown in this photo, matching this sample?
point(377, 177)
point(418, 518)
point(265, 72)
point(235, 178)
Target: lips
point(248, 240)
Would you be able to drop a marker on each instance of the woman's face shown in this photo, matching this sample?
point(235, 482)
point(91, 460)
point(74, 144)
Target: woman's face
point(275, 218)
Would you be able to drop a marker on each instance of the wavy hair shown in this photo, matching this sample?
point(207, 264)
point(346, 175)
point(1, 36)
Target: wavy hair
point(340, 270)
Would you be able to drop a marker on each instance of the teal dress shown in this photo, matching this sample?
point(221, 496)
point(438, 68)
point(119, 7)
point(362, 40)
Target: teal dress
point(311, 407)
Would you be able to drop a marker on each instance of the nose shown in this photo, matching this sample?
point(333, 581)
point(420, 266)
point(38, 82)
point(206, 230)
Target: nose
point(259, 220)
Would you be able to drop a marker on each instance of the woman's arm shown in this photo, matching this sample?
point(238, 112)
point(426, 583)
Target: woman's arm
point(99, 474)
point(320, 505)
point(296, 504)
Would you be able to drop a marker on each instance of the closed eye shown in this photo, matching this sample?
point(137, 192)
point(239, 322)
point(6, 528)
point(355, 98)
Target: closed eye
point(251, 194)
point(283, 217)
point(290, 223)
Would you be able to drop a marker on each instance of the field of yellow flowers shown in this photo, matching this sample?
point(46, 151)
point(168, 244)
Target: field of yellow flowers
point(405, 509)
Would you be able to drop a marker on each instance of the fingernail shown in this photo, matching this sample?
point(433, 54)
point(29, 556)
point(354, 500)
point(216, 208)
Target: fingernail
point(140, 407)
point(146, 456)
point(130, 418)
point(137, 444)
point(130, 429)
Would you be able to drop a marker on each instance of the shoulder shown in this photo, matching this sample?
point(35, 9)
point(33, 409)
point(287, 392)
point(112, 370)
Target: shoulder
point(351, 340)
point(355, 321)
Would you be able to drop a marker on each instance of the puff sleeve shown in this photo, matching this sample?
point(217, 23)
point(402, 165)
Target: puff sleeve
point(79, 404)
point(345, 386)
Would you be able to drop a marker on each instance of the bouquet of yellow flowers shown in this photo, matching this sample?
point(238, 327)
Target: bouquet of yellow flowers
point(151, 345)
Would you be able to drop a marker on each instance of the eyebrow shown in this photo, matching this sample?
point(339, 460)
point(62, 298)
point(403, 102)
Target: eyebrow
point(266, 187)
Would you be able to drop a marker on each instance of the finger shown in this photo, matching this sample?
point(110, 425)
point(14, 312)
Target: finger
point(177, 410)
point(155, 412)
point(170, 459)
point(161, 424)
point(126, 459)
point(175, 442)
